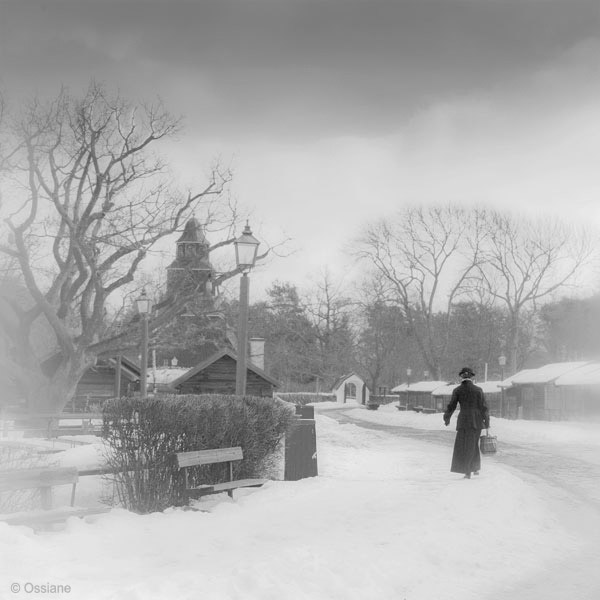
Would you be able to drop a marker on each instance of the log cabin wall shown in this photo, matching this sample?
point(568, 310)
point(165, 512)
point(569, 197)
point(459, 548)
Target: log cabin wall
point(219, 378)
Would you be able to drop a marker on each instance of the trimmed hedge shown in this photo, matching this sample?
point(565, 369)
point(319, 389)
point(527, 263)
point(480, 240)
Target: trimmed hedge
point(144, 435)
point(302, 398)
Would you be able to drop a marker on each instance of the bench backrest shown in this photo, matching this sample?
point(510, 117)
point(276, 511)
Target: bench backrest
point(208, 457)
point(27, 479)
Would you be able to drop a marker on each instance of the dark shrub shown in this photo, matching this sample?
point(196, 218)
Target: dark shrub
point(144, 435)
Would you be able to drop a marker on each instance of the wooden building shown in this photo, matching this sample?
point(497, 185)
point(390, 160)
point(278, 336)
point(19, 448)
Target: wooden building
point(579, 392)
point(217, 375)
point(418, 396)
point(532, 394)
point(99, 382)
point(491, 390)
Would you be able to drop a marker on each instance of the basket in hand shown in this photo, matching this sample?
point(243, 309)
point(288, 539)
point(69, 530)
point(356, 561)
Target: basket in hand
point(488, 444)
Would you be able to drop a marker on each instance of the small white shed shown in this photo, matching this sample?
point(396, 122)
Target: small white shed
point(351, 388)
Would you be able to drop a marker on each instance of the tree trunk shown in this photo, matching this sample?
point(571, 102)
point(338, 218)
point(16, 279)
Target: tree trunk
point(52, 394)
point(513, 344)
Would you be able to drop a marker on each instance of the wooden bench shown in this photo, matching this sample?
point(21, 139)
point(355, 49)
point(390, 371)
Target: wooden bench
point(51, 425)
point(208, 457)
point(43, 479)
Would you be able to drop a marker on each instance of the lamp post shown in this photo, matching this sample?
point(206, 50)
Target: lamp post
point(144, 306)
point(502, 363)
point(246, 247)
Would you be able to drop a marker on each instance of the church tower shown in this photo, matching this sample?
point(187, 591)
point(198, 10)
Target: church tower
point(199, 331)
point(191, 270)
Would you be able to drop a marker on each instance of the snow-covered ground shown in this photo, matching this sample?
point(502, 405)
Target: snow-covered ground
point(516, 432)
point(385, 519)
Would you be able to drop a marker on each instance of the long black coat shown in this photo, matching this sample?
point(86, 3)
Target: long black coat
point(472, 418)
point(474, 412)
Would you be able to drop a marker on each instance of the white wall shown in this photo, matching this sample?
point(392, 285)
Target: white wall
point(358, 382)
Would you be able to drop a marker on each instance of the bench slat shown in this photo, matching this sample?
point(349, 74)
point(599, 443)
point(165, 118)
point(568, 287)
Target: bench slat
point(218, 488)
point(37, 478)
point(207, 457)
point(50, 516)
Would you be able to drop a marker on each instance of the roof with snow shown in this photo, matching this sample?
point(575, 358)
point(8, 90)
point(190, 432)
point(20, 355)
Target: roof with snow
point(488, 387)
point(544, 374)
point(166, 374)
point(587, 375)
point(419, 386)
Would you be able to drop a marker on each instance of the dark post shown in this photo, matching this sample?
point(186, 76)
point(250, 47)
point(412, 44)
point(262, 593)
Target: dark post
point(240, 378)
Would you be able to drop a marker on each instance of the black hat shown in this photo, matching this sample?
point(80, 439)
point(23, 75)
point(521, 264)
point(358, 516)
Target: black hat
point(466, 372)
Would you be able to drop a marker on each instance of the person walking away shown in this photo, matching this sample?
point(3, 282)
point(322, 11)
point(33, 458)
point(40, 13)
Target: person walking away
point(473, 416)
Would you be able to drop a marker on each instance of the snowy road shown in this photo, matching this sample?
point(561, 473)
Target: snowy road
point(569, 474)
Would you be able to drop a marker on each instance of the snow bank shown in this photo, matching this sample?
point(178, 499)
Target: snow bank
point(520, 431)
point(385, 519)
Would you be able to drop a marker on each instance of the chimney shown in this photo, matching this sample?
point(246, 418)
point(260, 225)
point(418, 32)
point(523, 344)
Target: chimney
point(257, 352)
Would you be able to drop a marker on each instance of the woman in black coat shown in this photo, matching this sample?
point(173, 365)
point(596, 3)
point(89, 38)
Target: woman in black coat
point(472, 418)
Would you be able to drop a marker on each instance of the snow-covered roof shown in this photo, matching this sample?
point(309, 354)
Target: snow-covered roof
point(509, 380)
point(587, 375)
point(488, 387)
point(166, 374)
point(419, 386)
point(399, 388)
point(544, 374)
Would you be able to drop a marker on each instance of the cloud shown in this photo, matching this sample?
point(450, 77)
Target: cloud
point(290, 68)
point(337, 111)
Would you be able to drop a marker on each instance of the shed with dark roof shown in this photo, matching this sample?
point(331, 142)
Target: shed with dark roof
point(217, 375)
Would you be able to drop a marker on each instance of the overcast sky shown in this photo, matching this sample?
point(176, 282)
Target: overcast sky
point(334, 112)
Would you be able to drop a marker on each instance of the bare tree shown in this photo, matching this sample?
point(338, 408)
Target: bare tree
point(427, 256)
point(384, 349)
point(328, 308)
point(85, 200)
point(527, 260)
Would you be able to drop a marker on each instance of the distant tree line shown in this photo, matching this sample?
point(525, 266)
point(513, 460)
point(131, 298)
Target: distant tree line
point(443, 287)
point(375, 339)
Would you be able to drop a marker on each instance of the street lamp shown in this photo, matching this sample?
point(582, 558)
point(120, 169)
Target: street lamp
point(246, 247)
point(144, 307)
point(502, 363)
